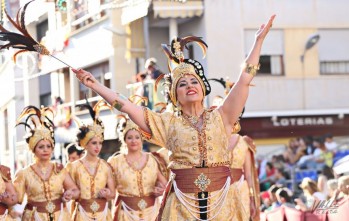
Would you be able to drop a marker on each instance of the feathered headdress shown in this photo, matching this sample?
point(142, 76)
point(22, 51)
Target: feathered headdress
point(22, 40)
point(182, 66)
point(125, 123)
point(97, 127)
point(38, 124)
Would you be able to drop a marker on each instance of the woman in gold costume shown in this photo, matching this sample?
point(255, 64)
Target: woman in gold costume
point(246, 192)
point(138, 178)
point(8, 195)
point(92, 174)
point(200, 186)
point(47, 184)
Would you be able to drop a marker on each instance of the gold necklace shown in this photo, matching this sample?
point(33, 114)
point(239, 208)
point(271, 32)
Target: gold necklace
point(194, 120)
point(135, 163)
point(91, 165)
point(43, 170)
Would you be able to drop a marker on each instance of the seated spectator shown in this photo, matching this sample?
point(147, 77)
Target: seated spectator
point(280, 177)
point(267, 181)
point(319, 158)
point(311, 193)
point(332, 186)
point(265, 201)
point(330, 144)
point(283, 196)
point(326, 174)
point(274, 203)
point(343, 185)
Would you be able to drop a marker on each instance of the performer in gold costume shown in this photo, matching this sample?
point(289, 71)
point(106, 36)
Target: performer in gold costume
point(8, 195)
point(247, 202)
point(201, 184)
point(91, 174)
point(47, 184)
point(136, 175)
point(246, 194)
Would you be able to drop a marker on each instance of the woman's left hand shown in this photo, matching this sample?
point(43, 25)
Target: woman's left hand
point(67, 195)
point(264, 29)
point(159, 189)
point(252, 208)
point(104, 193)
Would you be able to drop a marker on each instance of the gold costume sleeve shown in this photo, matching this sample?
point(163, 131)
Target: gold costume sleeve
point(158, 124)
point(254, 175)
point(19, 184)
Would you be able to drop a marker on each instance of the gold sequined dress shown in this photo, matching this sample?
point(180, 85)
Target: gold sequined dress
point(189, 148)
point(132, 182)
point(90, 185)
point(28, 182)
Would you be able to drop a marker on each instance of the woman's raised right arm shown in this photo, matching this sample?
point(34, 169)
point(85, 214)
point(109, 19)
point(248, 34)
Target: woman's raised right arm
point(117, 100)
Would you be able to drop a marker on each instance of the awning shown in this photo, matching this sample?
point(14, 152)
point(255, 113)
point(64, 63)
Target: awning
point(170, 9)
point(134, 10)
point(135, 40)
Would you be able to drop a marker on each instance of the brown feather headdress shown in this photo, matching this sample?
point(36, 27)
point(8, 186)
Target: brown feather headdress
point(38, 124)
point(97, 127)
point(22, 40)
point(182, 66)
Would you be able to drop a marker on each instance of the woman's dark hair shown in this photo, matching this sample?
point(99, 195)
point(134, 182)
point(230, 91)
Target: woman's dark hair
point(283, 193)
point(71, 148)
point(82, 134)
point(273, 188)
point(328, 172)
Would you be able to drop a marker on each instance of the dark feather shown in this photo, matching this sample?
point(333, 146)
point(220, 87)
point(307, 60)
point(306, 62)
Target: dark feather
point(25, 125)
point(221, 81)
point(22, 40)
point(89, 108)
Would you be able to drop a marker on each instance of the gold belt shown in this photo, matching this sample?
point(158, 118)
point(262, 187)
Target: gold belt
point(138, 203)
point(93, 205)
point(195, 180)
point(50, 206)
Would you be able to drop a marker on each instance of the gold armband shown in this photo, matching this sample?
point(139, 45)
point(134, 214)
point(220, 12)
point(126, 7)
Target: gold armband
point(250, 68)
point(117, 105)
point(251, 191)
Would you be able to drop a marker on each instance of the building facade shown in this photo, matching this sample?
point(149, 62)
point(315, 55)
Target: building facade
point(301, 88)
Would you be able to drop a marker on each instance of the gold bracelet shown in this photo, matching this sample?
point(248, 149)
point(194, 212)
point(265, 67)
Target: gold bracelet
point(251, 191)
point(251, 68)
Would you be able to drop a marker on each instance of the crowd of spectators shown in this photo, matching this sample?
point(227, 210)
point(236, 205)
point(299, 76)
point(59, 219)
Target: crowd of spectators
point(279, 187)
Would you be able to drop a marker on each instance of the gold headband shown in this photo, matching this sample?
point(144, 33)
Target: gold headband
point(180, 71)
point(95, 130)
point(40, 134)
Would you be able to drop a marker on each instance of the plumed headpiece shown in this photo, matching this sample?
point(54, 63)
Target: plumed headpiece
point(183, 66)
point(22, 40)
point(125, 124)
point(38, 124)
point(225, 83)
point(97, 128)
